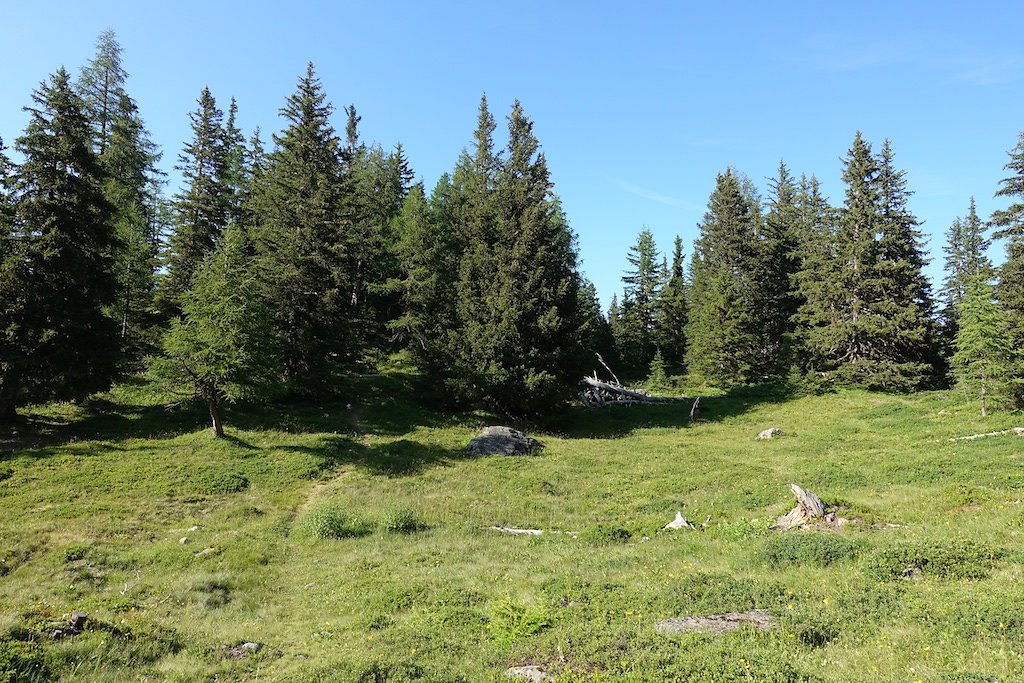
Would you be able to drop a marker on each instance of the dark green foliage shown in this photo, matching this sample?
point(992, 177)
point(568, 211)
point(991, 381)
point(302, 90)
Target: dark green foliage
point(965, 259)
point(56, 263)
point(220, 481)
point(866, 312)
point(807, 549)
point(635, 339)
point(946, 559)
point(202, 208)
point(132, 186)
point(302, 240)
point(673, 312)
point(380, 182)
point(605, 534)
point(726, 343)
point(596, 333)
point(221, 348)
point(510, 330)
point(1010, 224)
point(985, 359)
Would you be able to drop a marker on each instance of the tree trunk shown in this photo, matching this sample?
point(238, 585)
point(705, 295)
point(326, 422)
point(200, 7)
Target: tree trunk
point(9, 389)
point(218, 425)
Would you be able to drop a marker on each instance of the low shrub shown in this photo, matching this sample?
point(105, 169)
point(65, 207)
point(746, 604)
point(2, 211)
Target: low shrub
point(605, 534)
point(401, 519)
point(802, 549)
point(217, 482)
point(946, 559)
point(329, 520)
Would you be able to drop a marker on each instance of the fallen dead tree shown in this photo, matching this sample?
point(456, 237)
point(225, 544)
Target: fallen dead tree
point(597, 393)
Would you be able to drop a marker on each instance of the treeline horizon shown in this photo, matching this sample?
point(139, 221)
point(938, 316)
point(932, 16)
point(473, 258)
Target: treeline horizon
point(274, 270)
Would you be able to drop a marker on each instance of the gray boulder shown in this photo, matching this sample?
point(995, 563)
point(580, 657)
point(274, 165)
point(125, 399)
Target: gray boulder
point(502, 441)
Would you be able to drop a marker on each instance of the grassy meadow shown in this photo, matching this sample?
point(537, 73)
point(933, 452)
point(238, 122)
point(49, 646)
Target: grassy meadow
point(349, 539)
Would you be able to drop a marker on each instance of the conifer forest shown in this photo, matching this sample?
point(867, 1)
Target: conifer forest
point(302, 292)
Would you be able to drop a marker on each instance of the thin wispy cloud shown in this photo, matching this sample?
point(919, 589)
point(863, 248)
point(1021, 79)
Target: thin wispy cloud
point(834, 53)
point(650, 195)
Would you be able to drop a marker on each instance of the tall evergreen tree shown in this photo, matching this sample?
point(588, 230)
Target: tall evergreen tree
point(867, 322)
point(302, 239)
point(1010, 226)
point(101, 87)
point(986, 358)
point(203, 207)
point(965, 259)
point(725, 343)
point(131, 185)
point(523, 336)
point(779, 264)
point(58, 342)
point(637, 342)
point(673, 311)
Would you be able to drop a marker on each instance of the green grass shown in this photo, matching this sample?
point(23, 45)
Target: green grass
point(350, 538)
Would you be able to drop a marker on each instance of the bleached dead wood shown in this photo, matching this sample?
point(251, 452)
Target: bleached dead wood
point(597, 393)
point(1019, 431)
point(528, 532)
point(809, 507)
point(679, 522)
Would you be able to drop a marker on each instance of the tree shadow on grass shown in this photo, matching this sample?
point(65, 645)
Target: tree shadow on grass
point(613, 422)
point(401, 458)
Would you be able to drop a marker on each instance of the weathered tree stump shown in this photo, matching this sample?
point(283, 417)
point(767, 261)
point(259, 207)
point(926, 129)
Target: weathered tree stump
point(809, 507)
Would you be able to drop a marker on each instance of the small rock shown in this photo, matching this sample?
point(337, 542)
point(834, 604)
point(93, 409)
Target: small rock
point(244, 649)
point(770, 433)
point(943, 412)
point(183, 540)
point(502, 441)
point(1019, 431)
point(206, 551)
point(532, 673)
point(192, 528)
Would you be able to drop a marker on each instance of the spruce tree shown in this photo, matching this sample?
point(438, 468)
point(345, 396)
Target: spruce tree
point(203, 207)
point(523, 336)
point(725, 341)
point(132, 186)
point(101, 87)
point(818, 269)
point(965, 259)
point(904, 297)
point(867, 319)
point(778, 266)
point(1010, 226)
point(221, 348)
point(637, 342)
point(302, 240)
point(673, 311)
point(58, 341)
point(986, 358)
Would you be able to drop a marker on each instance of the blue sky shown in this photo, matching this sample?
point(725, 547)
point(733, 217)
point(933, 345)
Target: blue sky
point(637, 106)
